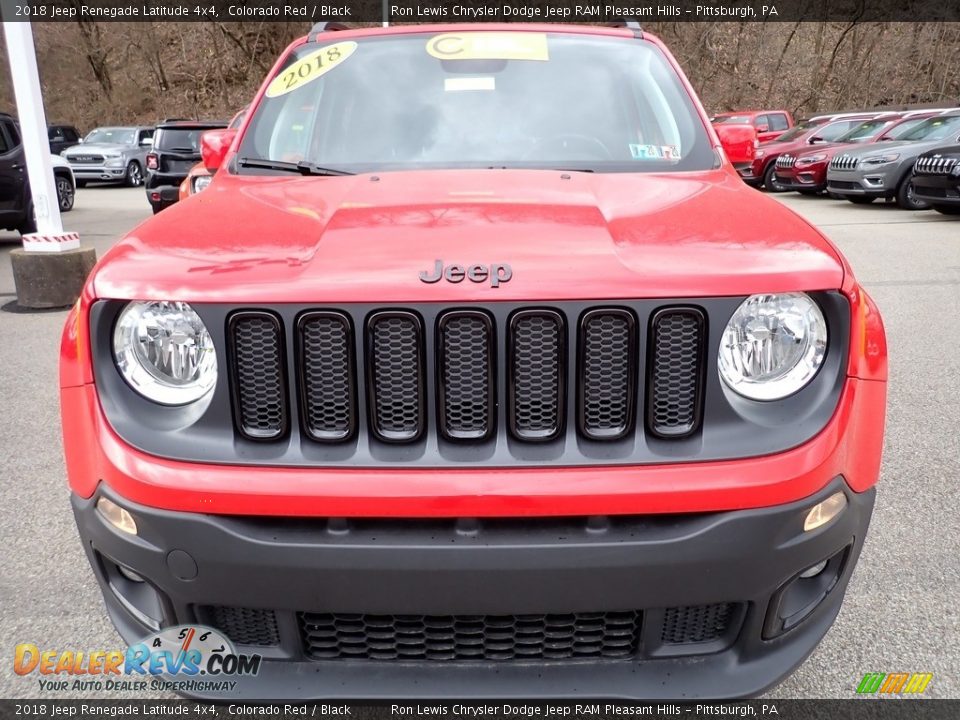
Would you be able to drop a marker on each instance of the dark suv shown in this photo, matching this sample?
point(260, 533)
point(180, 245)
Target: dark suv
point(16, 207)
point(61, 137)
point(176, 149)
point(936, 179)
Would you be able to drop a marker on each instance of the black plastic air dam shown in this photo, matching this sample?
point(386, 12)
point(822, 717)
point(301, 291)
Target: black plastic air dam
point(731, 426)
point(501, 567)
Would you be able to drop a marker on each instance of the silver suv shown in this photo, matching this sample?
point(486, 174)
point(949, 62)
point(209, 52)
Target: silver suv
point(883, 169)
point(111, 154)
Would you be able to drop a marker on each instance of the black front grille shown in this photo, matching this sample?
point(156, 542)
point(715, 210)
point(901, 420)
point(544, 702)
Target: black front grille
point(537, 363)
point(466, 368)
point(608, 366)
point(260, 394)
point(327, 376)
point(244, 626)
point(676, 371)
point(935, 165)
point(458, 638)
point(396, 373)
point(696, 624)
point(382, 360)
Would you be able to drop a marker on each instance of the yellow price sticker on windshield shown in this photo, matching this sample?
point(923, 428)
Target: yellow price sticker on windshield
point(489, 46)
point(310, 67)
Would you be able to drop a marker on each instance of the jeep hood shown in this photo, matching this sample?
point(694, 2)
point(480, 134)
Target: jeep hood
point(366, 238)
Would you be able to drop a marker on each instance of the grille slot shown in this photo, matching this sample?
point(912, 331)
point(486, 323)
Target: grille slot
point(259, 381)
point(608, 371)
point(245, 626)
point(395, 362)
point(459, 638)
point(844, 162)
point(465, 355)
point(327, 380)
point(537, 365)
point(696, 624)
point(675, 371)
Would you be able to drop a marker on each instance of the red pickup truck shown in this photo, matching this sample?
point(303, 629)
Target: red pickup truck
point(769, 124)
point(442, 389)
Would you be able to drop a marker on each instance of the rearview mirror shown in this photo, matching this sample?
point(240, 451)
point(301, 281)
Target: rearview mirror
point(816, 139)
point(214, 145)
point(763, 128)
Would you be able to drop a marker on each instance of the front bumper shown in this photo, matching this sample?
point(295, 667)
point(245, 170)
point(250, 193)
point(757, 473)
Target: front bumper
point(674, 571)
point(809, 178)
point(100, 173)
point(937, 189)
point(875, 183)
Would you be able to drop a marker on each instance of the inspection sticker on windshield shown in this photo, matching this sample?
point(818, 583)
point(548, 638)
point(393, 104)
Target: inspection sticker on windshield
point(654, 152)
point(310, 67)
point(489, 46)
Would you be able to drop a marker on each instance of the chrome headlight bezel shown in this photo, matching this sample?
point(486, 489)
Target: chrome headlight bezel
point(201, 182)
point(145, 329)
point(752, 331)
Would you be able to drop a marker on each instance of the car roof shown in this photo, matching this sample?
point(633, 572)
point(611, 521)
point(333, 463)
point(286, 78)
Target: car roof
point(191, 124)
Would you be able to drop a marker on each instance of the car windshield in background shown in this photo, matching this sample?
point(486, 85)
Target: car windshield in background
point(935, 128)
point(478, 99)
point(898, 131)
point(864, 131)
point(176, 139)
point(120, 136)
point(797, 131)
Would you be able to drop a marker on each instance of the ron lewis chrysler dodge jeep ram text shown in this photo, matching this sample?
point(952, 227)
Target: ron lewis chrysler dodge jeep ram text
point(461, 375)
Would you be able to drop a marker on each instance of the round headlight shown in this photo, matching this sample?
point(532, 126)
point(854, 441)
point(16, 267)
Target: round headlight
point(200, 182)
point(773, 346)
point(163, 350)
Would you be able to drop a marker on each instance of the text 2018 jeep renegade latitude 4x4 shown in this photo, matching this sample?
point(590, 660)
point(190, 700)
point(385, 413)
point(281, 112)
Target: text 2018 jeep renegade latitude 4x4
point(477, 371)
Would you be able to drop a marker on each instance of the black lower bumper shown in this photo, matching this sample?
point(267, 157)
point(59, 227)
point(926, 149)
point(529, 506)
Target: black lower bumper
point(937, 189)
point(681, 606)
point(791, 183)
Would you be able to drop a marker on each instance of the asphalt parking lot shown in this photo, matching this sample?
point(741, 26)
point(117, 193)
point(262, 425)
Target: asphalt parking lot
point(900, 613)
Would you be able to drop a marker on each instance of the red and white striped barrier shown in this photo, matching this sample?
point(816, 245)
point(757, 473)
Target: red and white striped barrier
point(35, 242)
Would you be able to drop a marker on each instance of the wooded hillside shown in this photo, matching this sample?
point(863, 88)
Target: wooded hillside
point(102, 73)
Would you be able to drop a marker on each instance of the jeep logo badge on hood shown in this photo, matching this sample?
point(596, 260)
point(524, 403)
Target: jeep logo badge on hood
point(496, 273)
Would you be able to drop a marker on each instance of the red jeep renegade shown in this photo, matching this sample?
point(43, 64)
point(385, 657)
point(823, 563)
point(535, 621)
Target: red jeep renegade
point(477, 370)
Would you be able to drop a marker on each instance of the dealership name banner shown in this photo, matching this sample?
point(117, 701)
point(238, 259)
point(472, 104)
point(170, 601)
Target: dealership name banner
point(420, 11)
point(225, 709)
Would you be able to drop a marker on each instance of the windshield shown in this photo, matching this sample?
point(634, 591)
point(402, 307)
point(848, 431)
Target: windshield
point(935, 128)
point(798, 131)
point(120, 136)
point(864, 131)
point(479, 99)
point(901, 129)
point(737, 119)
point(187, 141)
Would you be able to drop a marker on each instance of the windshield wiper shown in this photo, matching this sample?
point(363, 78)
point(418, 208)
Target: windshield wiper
point(303, 167)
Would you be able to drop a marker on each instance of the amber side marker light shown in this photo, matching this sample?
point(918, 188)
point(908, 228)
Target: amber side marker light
point(823, 512)
point(121, 519)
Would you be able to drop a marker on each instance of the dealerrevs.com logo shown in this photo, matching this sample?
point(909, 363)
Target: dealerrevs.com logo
point(185, 658)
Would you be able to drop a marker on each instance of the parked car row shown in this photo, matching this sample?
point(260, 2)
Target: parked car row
point(856, 156)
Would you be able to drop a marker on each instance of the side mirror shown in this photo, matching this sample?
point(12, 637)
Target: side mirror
point(763, 128)
point(815, 139)
point(146, 142)
point(738, 141)
point(214, 145)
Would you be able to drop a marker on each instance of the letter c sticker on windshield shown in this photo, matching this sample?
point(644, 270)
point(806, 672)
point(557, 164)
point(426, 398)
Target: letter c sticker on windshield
point(489, 46)
point(310, 67)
